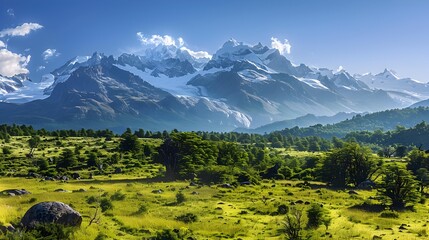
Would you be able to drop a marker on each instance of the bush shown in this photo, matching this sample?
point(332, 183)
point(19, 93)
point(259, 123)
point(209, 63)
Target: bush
point(6, 150)
point(176, 234)
point(32, 200)
point(117, 196)
point(43, 231)
point(282, 209)
point(105, 204)
point(389, 214)
point(187, 218)
point(180, 197)
point(91, 200)
point(317, 216)
point(142, 209)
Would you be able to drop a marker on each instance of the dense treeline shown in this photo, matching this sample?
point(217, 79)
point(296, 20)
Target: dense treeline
point(415, 136)
point(385, 120)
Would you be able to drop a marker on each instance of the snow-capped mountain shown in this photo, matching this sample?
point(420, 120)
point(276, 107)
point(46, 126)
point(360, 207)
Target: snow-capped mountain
point(167, 87)
point(11, 84)
point(389, 81)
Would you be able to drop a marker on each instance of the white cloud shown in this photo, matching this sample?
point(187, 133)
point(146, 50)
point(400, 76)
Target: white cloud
point(50, 53)
point(40, 68)
point(2, 44)
point(10, 12)
point(197, 54)
point(181, 41)
point(12, 64)
point(156, 40)
point(284, 48)
point(22, 30)
point(167, 40)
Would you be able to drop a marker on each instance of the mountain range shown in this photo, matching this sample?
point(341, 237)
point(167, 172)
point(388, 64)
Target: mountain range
point(166, 87)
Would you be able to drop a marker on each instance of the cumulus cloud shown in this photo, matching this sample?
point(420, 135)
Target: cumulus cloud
point(167, 40)
point(2, 44)
point(12, 64)
point(156, 40)
point(21, 30)
point(50, 53)
point(284, 48)
point(10, 12)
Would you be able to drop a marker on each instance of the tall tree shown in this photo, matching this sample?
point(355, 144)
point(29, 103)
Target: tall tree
point(351, 164)
point(33, 142)
point(400, 186)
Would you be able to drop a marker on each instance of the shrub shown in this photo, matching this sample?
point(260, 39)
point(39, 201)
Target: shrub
point(6, 150)
point(282, 209)
point(105, 204)
point(317, 216)
point(117, 196)
point(293, 225)
point(187, 218)
point(32, 200)
point(180, 197)
point(175, 234)
point(142, 209)
point(91, 200)
point(43, 231)
point(389, 214)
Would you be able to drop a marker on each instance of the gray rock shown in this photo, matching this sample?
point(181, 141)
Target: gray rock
point(14, 192)
point(51, 212)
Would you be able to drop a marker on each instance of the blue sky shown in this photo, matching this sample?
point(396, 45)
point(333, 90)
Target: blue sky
point(362, 36)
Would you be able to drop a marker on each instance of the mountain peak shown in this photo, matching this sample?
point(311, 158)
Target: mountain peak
point(231, 43)
point(389, 74)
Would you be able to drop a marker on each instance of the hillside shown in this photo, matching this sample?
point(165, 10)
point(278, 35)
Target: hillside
point(384, 120)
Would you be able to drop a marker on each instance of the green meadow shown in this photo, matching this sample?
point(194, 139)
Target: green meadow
point(144, 203)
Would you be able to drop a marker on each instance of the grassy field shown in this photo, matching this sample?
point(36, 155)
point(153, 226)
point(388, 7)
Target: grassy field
point(243, 212)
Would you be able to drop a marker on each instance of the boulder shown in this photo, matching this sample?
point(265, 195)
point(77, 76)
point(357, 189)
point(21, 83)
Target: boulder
point(51, 212)
point(14, 192)
point(118, 170)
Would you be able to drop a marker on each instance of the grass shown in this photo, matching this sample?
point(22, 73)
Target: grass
point(245, 212)
point(217, 217)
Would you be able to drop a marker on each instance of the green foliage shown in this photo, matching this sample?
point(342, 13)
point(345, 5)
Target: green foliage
point(180, 197)
point(43, 231)
point(184, 154)
point(130, 143)
point(215, 174)
point(175, 234)
point(43, 164)
point(142, 209)
point(317, 216)
point(91, 200)
point(187, 218)
point(105, 204)
point(282, 209)
point(399, 186)
point(418, 159)
point(67, 159)
point(293, 225)
point(34, 142)
point(389, 214)
point(117, 196)
point(351, 164)
point(6, 150)
point(92, 160)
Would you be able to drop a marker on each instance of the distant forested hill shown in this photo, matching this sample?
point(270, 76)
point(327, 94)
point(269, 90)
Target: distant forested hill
point(385, 120)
